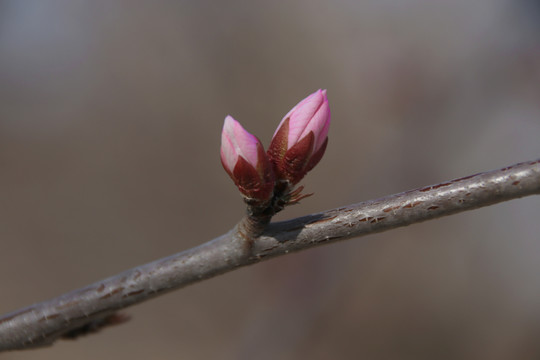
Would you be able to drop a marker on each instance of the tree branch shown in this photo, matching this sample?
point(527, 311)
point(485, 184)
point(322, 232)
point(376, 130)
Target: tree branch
point(87, 309)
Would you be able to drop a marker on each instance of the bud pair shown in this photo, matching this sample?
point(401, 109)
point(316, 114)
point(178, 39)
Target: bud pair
point(296, 147)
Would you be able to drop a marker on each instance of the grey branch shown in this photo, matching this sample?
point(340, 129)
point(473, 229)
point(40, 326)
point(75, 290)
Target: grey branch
point(94, 306)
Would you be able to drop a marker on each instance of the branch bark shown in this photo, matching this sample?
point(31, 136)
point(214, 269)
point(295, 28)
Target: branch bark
point(251, 241)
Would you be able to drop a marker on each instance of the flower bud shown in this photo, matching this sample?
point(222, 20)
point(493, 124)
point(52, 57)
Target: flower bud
point(244, 159)
point(301, 138)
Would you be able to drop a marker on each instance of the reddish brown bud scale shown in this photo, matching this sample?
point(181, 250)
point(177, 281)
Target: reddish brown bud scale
point(296, 159)
point(249, 181)
point(317, 156)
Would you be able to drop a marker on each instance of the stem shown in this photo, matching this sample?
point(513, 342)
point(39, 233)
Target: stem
point(252, 241)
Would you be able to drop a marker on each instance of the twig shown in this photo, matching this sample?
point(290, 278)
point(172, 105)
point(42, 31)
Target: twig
point(95, 305)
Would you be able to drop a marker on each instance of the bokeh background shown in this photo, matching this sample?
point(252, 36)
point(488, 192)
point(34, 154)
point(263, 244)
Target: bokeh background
point(110, 120)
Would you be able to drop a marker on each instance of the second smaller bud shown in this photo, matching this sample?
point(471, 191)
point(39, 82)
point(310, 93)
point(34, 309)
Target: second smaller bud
point(244, 159)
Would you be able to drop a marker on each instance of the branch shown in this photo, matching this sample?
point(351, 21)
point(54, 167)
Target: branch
point(90, 308)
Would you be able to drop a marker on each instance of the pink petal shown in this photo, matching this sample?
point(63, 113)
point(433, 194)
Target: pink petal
point(228, 153)
point(243, 143)
point(293, 110)
point(319, 124)
point(301, 116)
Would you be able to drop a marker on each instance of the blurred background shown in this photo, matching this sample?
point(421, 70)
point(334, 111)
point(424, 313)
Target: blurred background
point(110, 121)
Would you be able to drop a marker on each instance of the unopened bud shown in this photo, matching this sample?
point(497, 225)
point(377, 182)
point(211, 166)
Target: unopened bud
point(301, 138)
point(244, 159)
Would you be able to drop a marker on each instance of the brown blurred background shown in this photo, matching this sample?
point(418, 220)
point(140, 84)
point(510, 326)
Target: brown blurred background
point(110, 120)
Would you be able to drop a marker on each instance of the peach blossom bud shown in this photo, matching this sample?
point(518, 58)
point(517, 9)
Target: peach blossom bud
point(244, 159)
point(301, 138)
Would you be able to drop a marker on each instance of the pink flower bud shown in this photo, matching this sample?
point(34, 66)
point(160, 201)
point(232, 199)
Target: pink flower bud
point(244, 159)
point(301, 138)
